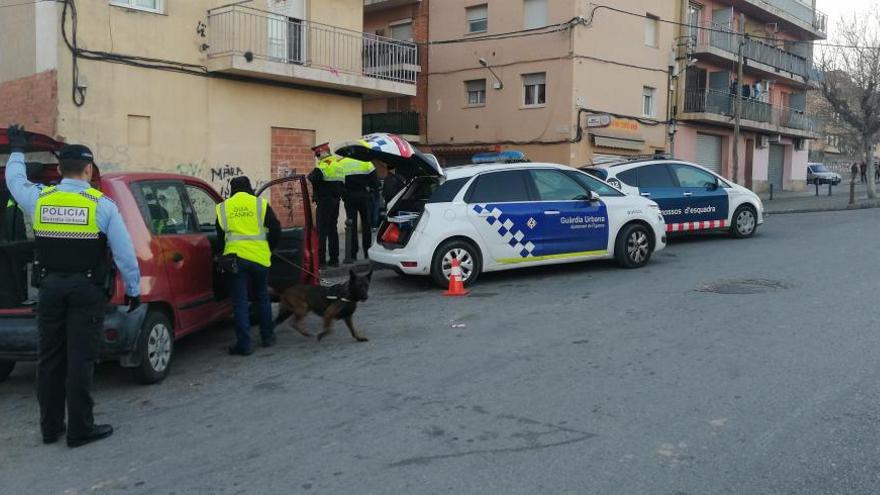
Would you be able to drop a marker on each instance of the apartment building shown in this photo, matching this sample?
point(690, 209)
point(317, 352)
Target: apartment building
point(580, 85)
point(202, 87)
point(777, 76)
point(405, 21)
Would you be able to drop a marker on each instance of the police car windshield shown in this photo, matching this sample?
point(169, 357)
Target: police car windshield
point(819, 168)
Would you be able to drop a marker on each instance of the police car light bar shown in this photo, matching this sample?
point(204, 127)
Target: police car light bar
point(500, 157)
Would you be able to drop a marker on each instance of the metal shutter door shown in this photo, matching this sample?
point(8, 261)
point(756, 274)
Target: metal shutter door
point(709, 152)
point(776, 166)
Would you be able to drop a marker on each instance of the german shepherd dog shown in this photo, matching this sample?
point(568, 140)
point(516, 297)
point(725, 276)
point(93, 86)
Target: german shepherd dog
point(337, 302)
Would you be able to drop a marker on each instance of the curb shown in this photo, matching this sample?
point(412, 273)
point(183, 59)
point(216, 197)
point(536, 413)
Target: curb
point(863, 206)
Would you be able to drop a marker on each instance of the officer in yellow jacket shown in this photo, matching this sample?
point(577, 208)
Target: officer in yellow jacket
point(328, 184)
point(248, 231)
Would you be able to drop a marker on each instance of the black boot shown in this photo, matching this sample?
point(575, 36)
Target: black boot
point(99, 432)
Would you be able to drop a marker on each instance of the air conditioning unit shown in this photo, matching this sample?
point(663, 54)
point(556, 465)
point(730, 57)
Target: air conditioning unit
point(762, 141)
point(800, 144)
point(776, 138)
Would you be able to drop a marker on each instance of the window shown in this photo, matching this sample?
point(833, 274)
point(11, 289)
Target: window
point(157, 6)
point(534, 13)
point(402, 30)
point(695, 19)
point(477, 18)
point(499, 187)
point(553, 185)
point(648, 102)
point(652, 28)
point(597, 186)
point(205, 207)
point(476, 92)
point(534, 89)
point(693, 177)
point(630, 177)
point(448, 190)
point(165, 208)
point(655, 176)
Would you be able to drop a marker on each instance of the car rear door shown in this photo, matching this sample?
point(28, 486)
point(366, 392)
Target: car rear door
point(501, 208)
point(183, 250)
point(572, 225)
point(704, 202)
point(657, 183)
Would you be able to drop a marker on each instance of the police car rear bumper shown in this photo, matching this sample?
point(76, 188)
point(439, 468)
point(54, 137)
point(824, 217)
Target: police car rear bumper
point(400, 260)
point(20, 337)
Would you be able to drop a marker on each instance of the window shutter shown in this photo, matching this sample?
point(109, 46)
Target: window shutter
point(535, 13)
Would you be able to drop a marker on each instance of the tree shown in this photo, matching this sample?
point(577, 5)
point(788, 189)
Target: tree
point(850, 81)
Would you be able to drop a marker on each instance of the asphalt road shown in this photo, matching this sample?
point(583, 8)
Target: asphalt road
point(576, 379)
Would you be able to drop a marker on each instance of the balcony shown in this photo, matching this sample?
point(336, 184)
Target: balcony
point(375, 5)
point(796, 13)
point(760, 56)
point(248, 42)
point(718, 107)
point(403, 123)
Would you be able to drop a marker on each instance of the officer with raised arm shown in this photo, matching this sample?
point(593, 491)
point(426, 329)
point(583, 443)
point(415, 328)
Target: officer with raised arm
point(73, 226)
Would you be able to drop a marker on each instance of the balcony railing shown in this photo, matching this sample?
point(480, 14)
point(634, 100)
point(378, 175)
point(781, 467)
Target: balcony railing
point(723, 103)
point(392, 122)
point(723, 38)
point(800, 10)
point(257, 34)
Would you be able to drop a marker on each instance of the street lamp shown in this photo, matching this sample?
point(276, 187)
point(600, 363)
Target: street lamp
point(499, 84)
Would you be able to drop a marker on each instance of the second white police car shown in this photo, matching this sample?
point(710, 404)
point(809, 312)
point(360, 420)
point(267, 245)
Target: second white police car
point(691, 198)
point(500, 216)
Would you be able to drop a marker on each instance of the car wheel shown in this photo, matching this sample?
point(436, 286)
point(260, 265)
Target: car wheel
point(632, 249)
point(156, 347)
point(467, 255)
point(745, 222)
point(5, 369)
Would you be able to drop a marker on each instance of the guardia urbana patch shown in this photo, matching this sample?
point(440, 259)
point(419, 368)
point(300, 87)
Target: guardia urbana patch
point(64, 215)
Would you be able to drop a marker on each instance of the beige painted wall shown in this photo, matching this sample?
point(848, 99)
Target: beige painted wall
point(17, 40)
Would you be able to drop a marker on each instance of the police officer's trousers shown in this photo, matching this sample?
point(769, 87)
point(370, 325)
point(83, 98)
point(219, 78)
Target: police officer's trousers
point(328, 233)
point(71, 317)
point(359, 205)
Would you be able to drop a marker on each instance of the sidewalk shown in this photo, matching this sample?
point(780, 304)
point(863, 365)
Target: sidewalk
point(807, 201)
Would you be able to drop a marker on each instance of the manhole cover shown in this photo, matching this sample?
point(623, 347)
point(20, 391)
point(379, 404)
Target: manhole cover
point(743, 286)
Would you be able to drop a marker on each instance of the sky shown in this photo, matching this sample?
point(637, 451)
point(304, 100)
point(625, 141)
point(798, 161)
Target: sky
point(841, 8)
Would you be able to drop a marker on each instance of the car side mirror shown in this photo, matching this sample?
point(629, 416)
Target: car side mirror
point(594, 197)
point(712, 186)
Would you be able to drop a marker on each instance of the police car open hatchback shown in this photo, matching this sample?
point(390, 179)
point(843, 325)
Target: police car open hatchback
point(500, 216)
point(691, 198)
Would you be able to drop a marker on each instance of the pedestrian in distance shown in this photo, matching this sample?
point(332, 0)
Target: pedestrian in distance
point(855, 171)
point(863, 170)
point(248, 231)
point(328, 184)
point(361, 180)
point(73, 226)
point(392, 185)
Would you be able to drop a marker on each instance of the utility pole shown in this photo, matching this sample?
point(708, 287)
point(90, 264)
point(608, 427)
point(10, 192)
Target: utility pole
point(741, 41)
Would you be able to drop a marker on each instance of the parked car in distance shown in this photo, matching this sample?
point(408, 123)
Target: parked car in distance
point(171, 221)
point(818, 173)
point(499, 216)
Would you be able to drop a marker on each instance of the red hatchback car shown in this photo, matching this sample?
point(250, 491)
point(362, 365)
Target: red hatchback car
point(171, 221)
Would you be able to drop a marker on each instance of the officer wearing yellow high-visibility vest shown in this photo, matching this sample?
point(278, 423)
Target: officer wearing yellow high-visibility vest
point(361, 180)
point(73, 226)
point(248, 231)
point(328, 184)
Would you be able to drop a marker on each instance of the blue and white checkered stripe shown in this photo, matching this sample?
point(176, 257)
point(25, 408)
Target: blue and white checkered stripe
point(510, 233)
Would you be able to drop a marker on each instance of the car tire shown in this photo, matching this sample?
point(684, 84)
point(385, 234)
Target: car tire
point(468, 255)
point(744, 223)
point(633, 247)
point(6, 368)
point(156, 347)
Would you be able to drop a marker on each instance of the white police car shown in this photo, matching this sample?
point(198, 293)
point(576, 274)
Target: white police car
point(500, 216)
point(691, 197)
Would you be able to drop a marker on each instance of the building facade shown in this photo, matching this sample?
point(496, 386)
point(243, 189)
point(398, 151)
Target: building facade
point(197, 86)
point(567, 66)
point(777, 69)
point(403, 20)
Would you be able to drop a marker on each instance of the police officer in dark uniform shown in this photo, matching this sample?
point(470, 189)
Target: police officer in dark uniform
point(328, 184)
point(73, 226)
point(361, 180)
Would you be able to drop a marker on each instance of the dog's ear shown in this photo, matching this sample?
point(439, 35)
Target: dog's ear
point(370, 274)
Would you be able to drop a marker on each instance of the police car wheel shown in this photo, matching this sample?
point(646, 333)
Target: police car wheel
point(6, 369)
point(633, 246)
point(156, 347)
point(468, 257)
point(745, 222)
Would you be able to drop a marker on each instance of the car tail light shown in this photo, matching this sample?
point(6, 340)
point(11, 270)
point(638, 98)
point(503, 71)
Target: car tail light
point(111, 335)
point(409, 264)
point(391, 234)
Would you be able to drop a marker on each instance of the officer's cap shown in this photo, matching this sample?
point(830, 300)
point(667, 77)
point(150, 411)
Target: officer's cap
point(321, 149)
point(76, 152)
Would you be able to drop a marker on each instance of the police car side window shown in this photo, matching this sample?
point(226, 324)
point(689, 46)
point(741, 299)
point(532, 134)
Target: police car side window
point(447, 191)
point(693, 177)
point(553, 185)
point(499, 187)
point(655, 176)
point(591, 183)
point(629, 177)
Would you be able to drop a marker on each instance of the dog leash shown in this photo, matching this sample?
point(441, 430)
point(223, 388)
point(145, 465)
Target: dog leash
point(320, 280)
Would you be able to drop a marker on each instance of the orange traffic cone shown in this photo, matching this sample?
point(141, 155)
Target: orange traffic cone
point(456, 286)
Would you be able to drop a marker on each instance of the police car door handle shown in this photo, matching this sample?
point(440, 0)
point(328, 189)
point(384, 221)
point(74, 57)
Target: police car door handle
point(646, 194)
point(551, 212)
point(688, 194)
